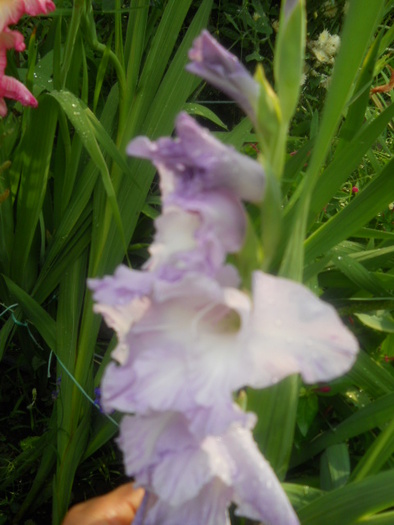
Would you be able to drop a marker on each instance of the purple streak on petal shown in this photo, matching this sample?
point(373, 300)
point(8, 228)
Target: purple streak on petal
point(217, 66)
point(292, 331)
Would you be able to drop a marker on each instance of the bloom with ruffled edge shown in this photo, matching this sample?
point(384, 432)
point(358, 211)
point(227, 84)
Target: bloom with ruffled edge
point(196, 162)
point(202, 183)
point(193, 480)
point(212, 340)
point(188, 338)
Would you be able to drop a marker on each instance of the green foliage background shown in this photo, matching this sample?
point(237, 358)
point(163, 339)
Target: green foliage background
point(72, 205)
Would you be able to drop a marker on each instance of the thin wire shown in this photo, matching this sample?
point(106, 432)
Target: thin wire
point(76, 383)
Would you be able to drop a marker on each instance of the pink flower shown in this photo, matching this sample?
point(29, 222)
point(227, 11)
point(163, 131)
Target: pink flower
point(12, 10)
point(11, 87)
point(10, 13)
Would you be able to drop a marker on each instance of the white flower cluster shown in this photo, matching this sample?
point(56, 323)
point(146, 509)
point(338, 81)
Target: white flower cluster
point(325, 47)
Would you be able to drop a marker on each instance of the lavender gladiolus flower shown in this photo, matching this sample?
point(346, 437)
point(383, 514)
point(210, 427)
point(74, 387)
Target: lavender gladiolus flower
point(211, 341)
point(202, 183)
point(222, 69)
point(188, 338)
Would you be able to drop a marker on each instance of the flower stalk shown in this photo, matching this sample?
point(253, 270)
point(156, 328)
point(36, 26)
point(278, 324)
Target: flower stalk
point(189, 337)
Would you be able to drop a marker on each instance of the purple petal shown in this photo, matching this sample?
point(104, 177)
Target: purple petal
point(215, 420)
point(196, 336)
point(196, 235)
point(122, 287)
point(258, 493)
point(196, 162)
point(193, 330)
point(292, 331)
point(184, 472)
point(144, 440)
point(217, 66)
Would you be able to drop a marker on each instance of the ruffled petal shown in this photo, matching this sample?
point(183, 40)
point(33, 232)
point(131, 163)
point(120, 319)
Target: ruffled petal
point(208, 508)
point(293, 331)
point(257, 491)
point(195, 162)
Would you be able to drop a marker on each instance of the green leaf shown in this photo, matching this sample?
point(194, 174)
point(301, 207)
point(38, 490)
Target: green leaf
point(359, 275)
point(373, 415)
point(276, 408)
point(301, 495)
point(377, 455)
point(308, 406)
point(33, 161)
point(356, 111)
point(334, 467)
point(81, 118)
point(338, 171)
point(361, 20)
point(289, 55)
point(349, 504)
point(381, 321)
point(201, 111)
point(42, 321)
point(357, 213)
